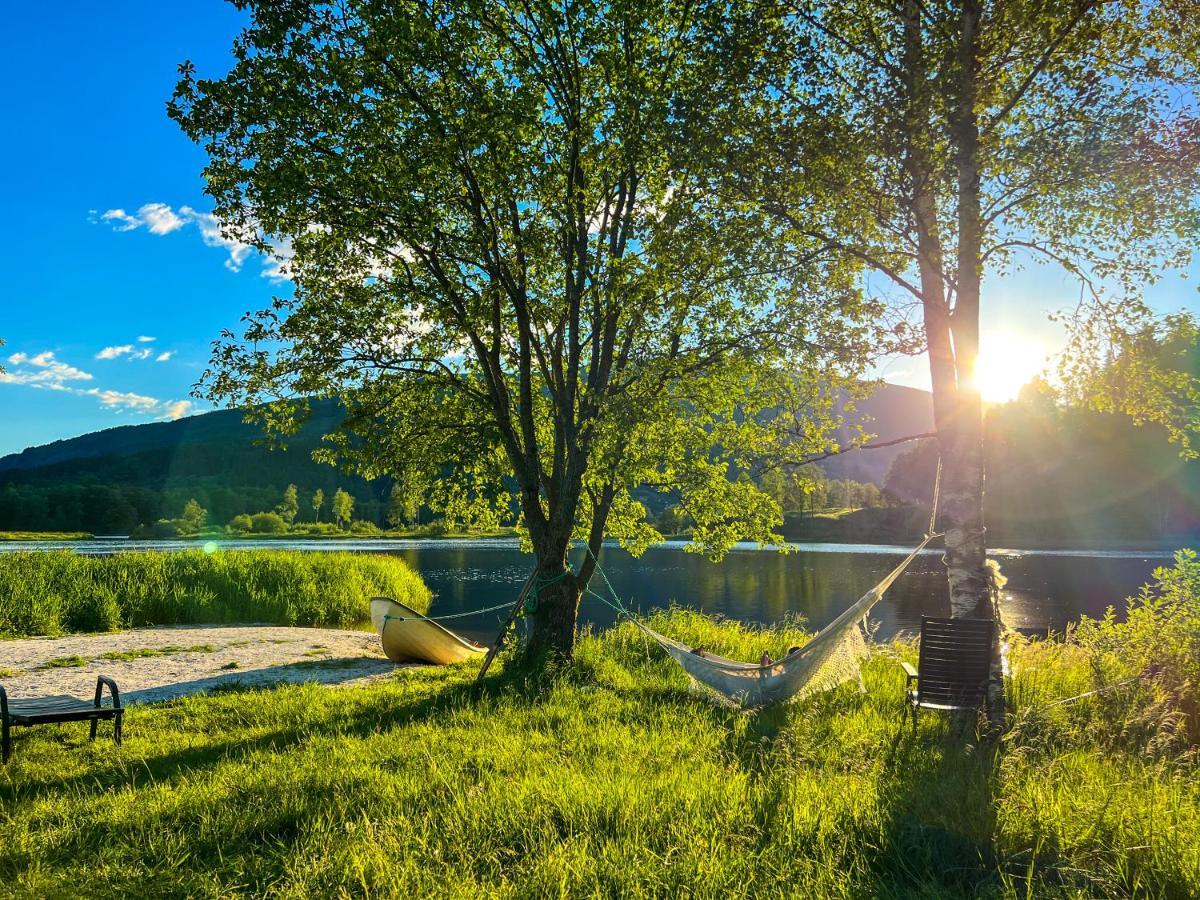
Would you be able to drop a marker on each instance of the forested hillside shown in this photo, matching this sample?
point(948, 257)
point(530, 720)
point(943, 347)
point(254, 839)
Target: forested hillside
point(1055, 476)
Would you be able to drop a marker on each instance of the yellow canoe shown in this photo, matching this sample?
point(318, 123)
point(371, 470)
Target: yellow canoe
point(407, 636)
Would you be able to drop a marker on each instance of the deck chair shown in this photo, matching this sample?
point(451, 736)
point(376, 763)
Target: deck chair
point(953, 666)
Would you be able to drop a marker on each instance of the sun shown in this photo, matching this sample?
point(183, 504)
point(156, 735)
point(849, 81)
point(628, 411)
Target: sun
point(1007, 363)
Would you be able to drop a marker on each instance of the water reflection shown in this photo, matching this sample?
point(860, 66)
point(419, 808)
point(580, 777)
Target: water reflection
point(1046, 589)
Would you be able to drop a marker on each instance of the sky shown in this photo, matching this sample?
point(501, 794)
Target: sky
point(114, 276)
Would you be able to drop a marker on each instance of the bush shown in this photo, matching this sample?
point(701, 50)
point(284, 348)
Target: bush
point(365, 528)
point(162, 530)
point(57, 592)
point(1159, 643)
point(268, 523)
point(240, 524)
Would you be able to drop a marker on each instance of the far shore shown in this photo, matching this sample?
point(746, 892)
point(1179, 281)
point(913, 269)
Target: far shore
point(1165, 546)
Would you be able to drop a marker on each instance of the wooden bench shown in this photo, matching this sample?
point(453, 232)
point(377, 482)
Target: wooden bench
point(60, 708)
point(953, 666)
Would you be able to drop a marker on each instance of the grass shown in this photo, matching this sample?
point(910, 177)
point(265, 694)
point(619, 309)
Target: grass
point(610, 779)
point(148, 652)
point(65, 662)
point(61, 592)
point(46, 536)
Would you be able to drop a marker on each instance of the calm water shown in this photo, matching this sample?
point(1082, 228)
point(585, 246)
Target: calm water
point(1046, 589)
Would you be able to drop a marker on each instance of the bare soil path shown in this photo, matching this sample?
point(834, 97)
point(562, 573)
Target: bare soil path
point(151, 664)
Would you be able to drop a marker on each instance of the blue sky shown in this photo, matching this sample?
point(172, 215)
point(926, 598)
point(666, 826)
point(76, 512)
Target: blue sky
point(108, 240)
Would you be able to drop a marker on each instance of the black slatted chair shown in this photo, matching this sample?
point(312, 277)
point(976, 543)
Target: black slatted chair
point(952, 670)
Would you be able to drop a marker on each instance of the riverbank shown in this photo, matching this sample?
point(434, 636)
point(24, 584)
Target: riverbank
point(610, 779)
point(25, 536)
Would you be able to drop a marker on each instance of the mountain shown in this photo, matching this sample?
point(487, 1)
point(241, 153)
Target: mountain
point(890, 412)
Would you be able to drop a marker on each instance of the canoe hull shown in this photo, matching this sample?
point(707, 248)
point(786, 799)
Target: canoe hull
point(408, 636)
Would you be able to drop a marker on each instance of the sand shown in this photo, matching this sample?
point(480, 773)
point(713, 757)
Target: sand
point(195, 659)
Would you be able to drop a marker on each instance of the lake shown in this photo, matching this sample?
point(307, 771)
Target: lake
point(1046, 589)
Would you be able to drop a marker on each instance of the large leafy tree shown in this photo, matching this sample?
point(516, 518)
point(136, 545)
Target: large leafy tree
point(508, 269)
point(971, 137)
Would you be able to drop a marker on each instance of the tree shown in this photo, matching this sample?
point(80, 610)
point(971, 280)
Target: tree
point(193, 518)
point(973, 136)
point(342, 507)
point(318, 501)
point(290, 507)
point(506, 268)
point(404, 501)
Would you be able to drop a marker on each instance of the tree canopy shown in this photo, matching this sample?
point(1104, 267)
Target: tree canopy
point(508, 269)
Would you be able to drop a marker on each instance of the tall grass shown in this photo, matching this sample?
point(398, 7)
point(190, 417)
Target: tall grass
point(60, 592)
point(610, 779)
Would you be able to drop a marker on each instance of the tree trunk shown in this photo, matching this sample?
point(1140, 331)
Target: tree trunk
point(554, 612)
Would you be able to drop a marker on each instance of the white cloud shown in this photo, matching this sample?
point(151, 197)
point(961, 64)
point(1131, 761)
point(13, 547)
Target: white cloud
point(42, 371)
point(143, 339)
point(123, 400)
point(211, 234)
point(160, 219)
point(46, 372)
point(163, 357)
point(177, 409)
point(114, 352)
point(121, 220)
point(141, 354)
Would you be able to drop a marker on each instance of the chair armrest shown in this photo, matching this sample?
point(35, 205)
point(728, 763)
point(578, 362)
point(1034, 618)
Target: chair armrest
point(908, 670)
point(3, 704)
point(101, 682)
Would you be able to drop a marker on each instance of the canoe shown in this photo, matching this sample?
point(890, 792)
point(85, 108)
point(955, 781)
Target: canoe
point(408, 636)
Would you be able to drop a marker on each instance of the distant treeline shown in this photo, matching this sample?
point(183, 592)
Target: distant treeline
point(1061, 475)
point(1055, 475)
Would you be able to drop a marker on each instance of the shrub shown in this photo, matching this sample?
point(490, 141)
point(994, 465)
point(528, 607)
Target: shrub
point(368, 528)
point(268, 523)
point(162, 530)
point(240, 524)
point(1159, 643)
point(56, 592)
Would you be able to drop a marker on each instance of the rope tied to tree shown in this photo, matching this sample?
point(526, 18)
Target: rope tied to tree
point(531, 600)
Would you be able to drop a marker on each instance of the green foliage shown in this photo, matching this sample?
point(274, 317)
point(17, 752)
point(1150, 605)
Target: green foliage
point(611, 780)
point(240, 524)
point(268, 523)
point(342, 507)
point(555, 341)
point(193, 518)
point(318, 501)
point(58, 592)
point(290, 507)
point(1159, 642)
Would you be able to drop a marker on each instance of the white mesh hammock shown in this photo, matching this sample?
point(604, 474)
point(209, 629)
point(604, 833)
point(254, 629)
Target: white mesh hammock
point(830, 658)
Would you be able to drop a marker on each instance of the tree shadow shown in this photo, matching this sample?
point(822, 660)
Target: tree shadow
point(382, 713)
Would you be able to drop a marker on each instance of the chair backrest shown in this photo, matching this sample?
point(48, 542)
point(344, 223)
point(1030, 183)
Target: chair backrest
point(954, 661)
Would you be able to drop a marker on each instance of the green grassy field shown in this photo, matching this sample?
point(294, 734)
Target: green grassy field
point(612, 779)
point(59, 592)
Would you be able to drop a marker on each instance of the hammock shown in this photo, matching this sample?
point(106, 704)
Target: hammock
point(830, 658)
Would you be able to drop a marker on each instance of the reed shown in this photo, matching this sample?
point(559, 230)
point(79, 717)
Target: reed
point(60, 592)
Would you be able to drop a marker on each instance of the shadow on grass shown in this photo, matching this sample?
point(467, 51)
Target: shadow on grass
point(380, 715)
point(941, 784)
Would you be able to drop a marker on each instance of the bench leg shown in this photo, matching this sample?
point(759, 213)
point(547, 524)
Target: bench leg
point(117, 728)
point(95, 725)
point(6, 740)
